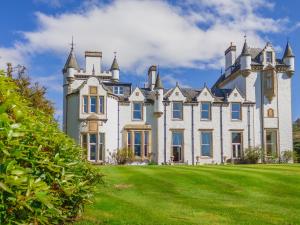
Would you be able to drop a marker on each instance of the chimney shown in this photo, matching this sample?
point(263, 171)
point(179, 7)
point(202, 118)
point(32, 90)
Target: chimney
point(230, 56)
point(93, 62)
point(152, 76)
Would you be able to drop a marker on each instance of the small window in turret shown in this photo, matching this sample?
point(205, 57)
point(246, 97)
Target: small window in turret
point(269, 57)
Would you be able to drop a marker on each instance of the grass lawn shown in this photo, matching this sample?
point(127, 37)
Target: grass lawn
point(243, 194)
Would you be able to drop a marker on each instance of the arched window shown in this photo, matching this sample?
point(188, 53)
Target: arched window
point(270, 113)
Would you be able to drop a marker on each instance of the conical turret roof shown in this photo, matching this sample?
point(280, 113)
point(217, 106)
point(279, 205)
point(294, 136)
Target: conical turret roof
point(288, 51)
point(115, 65)
point(245, 51)
point(71, 61)
point(158, 83)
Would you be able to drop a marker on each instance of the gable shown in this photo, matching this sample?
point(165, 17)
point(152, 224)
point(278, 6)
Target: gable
point(205, 95)
point(177, 95)
point(137, 95)
point(235, 96)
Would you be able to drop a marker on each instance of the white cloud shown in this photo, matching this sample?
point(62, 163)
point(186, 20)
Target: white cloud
point(51, 82)
point(192, 33)
point(171, 81)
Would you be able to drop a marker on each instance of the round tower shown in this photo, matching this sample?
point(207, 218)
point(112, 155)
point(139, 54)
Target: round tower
point(115, 70)
point(245, 60)
point(289, 58)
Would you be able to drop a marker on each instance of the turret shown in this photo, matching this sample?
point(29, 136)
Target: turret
point(159, 95)
point(151, 77)
point(245, 60)
point(115, 70)
point(230, 56)
point(289, 58)
point(71, 66)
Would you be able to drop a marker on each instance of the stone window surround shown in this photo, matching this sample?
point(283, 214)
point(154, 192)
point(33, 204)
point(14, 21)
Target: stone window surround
point(210, 114)
point(241, 118)
point(212, 143)
point(86, 145)
point(132, 132)
point(97, 104)
point(142, 111)
point(177, 119)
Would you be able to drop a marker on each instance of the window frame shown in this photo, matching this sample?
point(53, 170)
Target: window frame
point(85, 104)
point(181, 110)
point(232, 111)
point(141, 111)
point(209, 111)
point(269, 53)
point(237, 143)
point(94, 144)
point(117, 90)
point(90, 105)
point(181, 156)
point(101, 145)
point(275, 143)
point(210, 132)
point(103, 104)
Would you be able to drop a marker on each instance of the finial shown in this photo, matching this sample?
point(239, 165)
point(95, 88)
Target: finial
point(245, 37)
point(115, 54)
point(93, 71)
point(72, 43)
point(157, 68)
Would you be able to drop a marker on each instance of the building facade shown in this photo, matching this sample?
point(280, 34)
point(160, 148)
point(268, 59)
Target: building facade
point(248, 106)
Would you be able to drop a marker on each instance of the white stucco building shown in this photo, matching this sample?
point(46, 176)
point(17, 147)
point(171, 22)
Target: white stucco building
point(249, 106)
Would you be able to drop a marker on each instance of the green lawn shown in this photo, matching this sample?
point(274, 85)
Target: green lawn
point(252, 194)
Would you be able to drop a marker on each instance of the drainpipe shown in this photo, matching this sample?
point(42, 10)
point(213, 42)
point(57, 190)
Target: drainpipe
point(249, 137)
point(193, 149)
point(262, 117)
point(165, 134)
point(118, 125)
point(221, 132)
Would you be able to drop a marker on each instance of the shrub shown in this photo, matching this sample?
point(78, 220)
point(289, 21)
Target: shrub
point(124, 156)
point(252, 155)
point(287, 156)
point(43, 177)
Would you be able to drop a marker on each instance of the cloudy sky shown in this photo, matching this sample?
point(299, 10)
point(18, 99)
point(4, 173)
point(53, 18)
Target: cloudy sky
point(187, 38)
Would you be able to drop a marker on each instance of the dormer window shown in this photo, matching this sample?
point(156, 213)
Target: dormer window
point(269, 57)
point(118, 90)
point(236, 111)
point(137, 111)
point(177, 110)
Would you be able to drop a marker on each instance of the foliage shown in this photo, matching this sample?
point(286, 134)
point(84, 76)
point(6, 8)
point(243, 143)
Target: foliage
point(124, 156)
point(43, 178)
point(257, 194)
point(287, 156)
point(34, 93)
point(296, 132)
point(252, 155)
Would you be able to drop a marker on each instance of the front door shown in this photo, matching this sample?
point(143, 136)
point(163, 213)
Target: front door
point(177, 153)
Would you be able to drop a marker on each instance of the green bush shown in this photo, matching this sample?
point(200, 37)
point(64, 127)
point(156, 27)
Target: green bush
point(123, 156)
point(43, 177)
point(252, 155)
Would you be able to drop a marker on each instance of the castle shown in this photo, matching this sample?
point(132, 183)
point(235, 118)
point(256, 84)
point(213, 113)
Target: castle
point(248, 106)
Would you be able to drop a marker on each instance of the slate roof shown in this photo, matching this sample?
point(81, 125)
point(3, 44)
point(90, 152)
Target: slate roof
point(71, 62)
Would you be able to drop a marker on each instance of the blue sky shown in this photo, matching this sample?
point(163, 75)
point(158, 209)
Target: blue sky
point(186, 38)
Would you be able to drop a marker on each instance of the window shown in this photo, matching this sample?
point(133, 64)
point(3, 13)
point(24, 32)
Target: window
point(137, 111)
point(118, 90)
point(137, 143)
point(270, 113)
point(93, 102)
point(271, 142)
point(177, 110)
point(84, 141)
point(269, 81)
point(93, 146)
point(101, 104)
point(177, 145)
point(85, 104)
point(205, 110)
point(146, 143)
point(269, 58)
point(235, 111)
point(101, 146)
point(206, 143)
point(236, 144)
point(129, 140)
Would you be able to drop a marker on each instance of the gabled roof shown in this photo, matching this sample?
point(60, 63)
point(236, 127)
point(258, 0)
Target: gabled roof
point(71, 62)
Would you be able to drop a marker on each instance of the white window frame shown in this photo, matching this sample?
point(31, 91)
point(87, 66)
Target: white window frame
point(181, 110)
point(117, 90)
point(240, 111)
point(134, 110)
point(210, 145)
point(202, 110)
